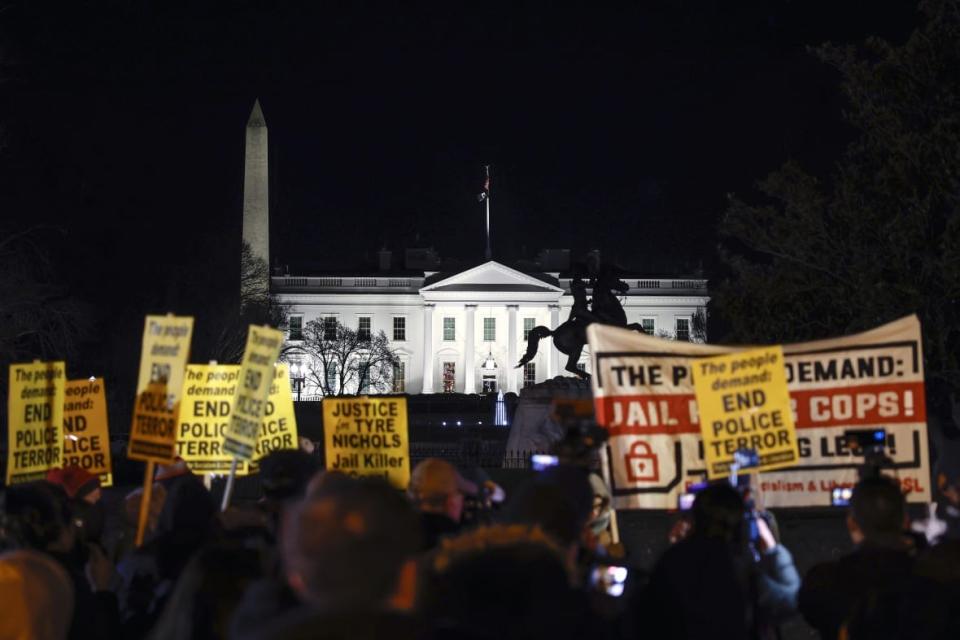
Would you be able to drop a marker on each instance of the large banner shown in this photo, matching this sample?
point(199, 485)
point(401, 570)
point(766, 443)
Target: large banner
point(644, 395)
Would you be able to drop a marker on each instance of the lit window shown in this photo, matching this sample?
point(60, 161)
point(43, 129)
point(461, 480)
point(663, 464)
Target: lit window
point(449, 329)
point(296, 328)
point(683, 329)
point(330, 329)
point(449, 377)
point(649, 326)
point(489, 329)
point(399, 329)
point(399, 377)
point(528, 325)
point(529, 374)
point(363, 329)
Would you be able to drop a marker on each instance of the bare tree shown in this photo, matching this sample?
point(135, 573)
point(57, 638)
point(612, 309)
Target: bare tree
point(38, 316)
point(339, 360)
point(256, 305)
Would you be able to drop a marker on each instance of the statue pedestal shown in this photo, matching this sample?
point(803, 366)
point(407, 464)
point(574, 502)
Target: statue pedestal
point(534, 429)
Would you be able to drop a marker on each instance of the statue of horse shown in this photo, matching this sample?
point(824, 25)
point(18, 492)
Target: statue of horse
point(571, 336)
point(606, 306)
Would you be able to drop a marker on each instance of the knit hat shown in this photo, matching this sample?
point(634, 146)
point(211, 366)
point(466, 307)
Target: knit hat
point(77, 482)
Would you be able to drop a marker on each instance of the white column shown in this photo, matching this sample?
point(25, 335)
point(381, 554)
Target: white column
point(512, 348)
point(470, 368)
point(427, 349)
point(553, 367)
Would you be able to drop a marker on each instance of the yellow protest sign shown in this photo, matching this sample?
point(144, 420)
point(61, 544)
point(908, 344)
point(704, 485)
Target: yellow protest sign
point(34, 420)
point(278, 429)
point(86, 440)
point(368, 436)
point(166, 347)
point(743, 403)
point(208, 392)
point(205, 411)
point(253, 387)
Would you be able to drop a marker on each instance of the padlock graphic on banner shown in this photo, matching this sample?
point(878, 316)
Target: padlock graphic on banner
point(641, 463)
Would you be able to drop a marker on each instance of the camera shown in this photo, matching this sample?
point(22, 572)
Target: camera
point(542, 461)
point(840, 496)
point(872, 445)
point(685, 500)
point(609, 579)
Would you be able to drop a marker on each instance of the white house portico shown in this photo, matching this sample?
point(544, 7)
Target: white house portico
point(465, 331)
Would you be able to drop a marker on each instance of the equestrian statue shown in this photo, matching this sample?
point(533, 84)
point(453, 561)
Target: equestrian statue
point(571, 336)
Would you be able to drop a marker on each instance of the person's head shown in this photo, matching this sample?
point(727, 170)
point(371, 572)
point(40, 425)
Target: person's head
point(38, 517)
point(718, 512)
point(285, 473)
point(437, 487)
point(877, 510)
point(187, 521)
point(559, 501)
point(350, 545)
point(37, 596)
point(506, 581)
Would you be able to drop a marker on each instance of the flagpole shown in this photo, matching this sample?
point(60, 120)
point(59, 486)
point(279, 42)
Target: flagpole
point(489, 252)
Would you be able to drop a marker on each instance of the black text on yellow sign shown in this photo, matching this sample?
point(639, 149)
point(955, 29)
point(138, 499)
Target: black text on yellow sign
point(368, 437)
point(253, 387)
point(166, 347)
point(744, 404)
point(86, 439)
point(205, 412)
point(34, 420)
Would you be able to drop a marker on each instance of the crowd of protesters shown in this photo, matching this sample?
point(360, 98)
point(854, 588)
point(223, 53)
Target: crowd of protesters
point(324, 555)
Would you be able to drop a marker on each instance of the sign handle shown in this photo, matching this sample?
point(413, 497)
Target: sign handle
point(145, 502)
point(605, 470)
point(228, 490)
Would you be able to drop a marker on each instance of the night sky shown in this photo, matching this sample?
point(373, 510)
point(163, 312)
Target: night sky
point(621, 128)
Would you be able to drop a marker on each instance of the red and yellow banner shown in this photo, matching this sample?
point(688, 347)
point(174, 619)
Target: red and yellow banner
point(644, 395)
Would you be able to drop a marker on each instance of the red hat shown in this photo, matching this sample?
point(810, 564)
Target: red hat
point(75, 481)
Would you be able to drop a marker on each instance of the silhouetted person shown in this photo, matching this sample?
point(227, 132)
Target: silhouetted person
point(207, 592)
point(39, 518)
point(437, 492)
point(881, 561)
point(348, 553)
point(711, 585)
point(186, 523)
point(502, 582)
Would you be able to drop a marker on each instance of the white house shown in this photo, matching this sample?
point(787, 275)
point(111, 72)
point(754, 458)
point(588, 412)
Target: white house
point(464, 332)
point(460, 331)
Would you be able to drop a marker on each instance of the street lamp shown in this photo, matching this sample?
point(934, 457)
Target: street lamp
point(297, 373)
